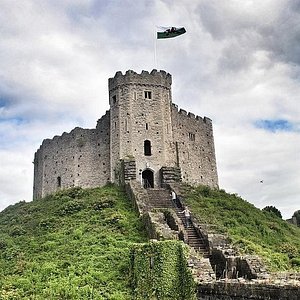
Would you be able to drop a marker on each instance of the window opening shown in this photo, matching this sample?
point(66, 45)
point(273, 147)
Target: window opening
point(114, 99)
point(148, 95)
point(191, 136)
point(147, 148)
point(146, 126)
point(58, 181)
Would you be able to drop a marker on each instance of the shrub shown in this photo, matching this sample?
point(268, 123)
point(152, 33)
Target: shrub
point(76, 192)
point(295, 262)
point(205, 191)
point(289, 249)
point(17, 231)
point(47, 223)
point(71, 207)
point(273, 210)
point(3, 244)
point(103, 203)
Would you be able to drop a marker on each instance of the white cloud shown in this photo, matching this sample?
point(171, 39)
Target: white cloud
point(237, 64)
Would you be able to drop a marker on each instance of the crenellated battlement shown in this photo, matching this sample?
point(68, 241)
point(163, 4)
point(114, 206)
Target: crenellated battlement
point(190, 115)
point(77, 131)
point(156, 78)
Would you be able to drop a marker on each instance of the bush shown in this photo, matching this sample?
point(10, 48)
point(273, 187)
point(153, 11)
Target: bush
point(273, 210)
point(71, 207)
point(295, 262)
point(3, 244)
point(47, 223)
point(76, 192)
point(17, 231)
point(205, 191)
point(289, 249)
point(103, 203)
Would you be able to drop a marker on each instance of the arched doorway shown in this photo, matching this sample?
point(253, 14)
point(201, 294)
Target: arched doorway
point(148, 179)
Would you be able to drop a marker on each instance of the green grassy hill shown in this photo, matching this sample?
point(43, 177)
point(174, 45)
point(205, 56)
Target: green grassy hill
point(71, 245)
point(75, 244)
point(252, 230)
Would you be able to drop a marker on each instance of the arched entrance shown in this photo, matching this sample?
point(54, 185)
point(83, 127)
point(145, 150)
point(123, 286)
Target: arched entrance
point(148, 179)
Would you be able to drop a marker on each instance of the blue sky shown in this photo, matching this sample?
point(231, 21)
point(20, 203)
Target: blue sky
point(275, 125)
point(238, 64)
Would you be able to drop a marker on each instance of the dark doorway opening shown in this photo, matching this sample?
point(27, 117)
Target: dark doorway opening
point(148, 179)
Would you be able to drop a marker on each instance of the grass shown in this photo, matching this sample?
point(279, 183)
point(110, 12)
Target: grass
point(252, 230)
point(74, 244)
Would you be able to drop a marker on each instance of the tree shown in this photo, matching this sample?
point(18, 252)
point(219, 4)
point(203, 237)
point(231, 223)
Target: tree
point(273, 210)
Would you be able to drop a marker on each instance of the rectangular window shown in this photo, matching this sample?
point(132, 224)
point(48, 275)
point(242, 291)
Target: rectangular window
point(148, 95)
point(191, 136)
point(114, 100)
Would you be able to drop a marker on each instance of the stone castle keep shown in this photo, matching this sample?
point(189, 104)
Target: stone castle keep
point(142, 137)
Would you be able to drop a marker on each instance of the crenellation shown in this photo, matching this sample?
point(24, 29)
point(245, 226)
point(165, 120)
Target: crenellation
point(182, 112)
point(207, 120)
point(174, 106)
point(154, 78)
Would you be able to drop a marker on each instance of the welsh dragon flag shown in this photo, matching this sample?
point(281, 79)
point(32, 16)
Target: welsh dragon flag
point(170, 32)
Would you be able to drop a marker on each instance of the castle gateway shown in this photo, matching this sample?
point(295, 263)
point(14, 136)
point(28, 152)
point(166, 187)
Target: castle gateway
point(142, 137)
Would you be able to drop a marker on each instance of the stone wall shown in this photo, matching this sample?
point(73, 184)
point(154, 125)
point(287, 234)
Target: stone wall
point(228, 290)
point(79, 158)
point(195, 151)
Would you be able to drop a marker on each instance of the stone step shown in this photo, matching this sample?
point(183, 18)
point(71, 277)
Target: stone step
point(160, 198)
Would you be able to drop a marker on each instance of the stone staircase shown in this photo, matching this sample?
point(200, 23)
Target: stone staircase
point(161, 198)
point(194, 239)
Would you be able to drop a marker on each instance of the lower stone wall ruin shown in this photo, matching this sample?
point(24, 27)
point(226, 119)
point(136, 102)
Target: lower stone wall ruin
point(79, 158)
point(227, 290)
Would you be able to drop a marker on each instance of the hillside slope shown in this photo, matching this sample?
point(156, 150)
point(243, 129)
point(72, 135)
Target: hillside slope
point(71, 245)
point(252, 230)
point(76, 244)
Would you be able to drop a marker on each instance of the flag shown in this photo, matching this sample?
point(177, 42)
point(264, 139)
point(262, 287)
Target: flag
point(170, 32)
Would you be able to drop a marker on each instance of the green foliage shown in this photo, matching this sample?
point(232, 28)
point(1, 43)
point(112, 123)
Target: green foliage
point(71, 207)
point(252, 230)
point(103, 203)
point(274, 210)
point(74, 244)
point(17, 230)
point(159, 271)
point(290, 249)
point(295, 261)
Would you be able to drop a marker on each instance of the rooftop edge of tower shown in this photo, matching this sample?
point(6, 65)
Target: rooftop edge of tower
point(158, 78)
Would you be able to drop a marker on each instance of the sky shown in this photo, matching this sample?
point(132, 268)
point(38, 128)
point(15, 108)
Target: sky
point(238, 64)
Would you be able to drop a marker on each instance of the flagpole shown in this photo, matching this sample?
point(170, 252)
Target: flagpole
point(155, 50)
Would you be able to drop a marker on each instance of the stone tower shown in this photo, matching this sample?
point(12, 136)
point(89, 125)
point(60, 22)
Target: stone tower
point(140, 122)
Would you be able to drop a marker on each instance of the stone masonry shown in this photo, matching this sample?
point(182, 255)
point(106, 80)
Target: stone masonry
point(142, 126)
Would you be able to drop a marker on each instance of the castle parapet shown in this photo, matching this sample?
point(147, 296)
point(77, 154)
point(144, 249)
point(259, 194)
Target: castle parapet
point(188, 115)
point(157, 78)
